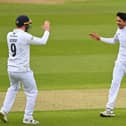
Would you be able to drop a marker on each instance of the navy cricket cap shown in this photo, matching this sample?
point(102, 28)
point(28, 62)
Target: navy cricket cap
point(23, 20)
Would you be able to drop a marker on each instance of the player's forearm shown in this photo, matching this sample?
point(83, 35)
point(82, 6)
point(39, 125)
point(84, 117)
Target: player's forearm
point(41, 41)
point(45, 37)
point(107, 40)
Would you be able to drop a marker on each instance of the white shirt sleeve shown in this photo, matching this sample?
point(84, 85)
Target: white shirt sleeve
point(110, 40)
point(107, 40)
point(36, 40)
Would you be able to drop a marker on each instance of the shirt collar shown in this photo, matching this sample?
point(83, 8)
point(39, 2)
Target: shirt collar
point(18, 30)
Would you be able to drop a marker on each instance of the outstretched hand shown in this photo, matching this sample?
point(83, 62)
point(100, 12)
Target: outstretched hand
point(94, 36)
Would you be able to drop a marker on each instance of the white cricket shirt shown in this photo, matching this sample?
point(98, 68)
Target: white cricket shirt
point(19, 49)
point(120, 36)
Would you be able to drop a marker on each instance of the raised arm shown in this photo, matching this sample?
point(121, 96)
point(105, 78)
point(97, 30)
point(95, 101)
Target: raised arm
point(43, 40)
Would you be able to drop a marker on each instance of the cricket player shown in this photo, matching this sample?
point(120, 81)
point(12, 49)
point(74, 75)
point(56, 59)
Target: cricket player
point(120, 64)
point(19, 41)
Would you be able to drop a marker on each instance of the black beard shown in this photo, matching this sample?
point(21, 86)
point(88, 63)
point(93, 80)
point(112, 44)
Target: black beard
point(27, 28)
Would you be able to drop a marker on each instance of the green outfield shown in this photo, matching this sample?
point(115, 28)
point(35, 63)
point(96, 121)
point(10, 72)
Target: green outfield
point(70, 60)
point(70, 118)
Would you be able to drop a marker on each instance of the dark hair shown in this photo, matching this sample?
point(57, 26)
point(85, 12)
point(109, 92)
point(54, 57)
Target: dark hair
point(122, 15)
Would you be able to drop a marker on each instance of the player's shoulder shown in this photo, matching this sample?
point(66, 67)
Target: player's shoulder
point(9, 34)
point(27, 35)
point(20, 33)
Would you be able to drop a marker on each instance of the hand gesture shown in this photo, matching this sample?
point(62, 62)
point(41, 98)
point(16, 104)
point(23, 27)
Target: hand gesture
point(95, 36)
point(46, 26)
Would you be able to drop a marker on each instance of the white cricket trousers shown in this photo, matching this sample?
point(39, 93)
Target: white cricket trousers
point(30, 90)
point(118, 73)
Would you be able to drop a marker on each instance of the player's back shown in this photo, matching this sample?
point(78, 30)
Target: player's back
point(18, 60)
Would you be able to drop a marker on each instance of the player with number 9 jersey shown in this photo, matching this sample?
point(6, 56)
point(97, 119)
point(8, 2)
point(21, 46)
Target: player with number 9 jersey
point(19, 72)
point(19, 49)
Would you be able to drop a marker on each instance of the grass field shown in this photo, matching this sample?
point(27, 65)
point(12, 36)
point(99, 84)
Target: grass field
point(70, 60)
point(70, 118)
